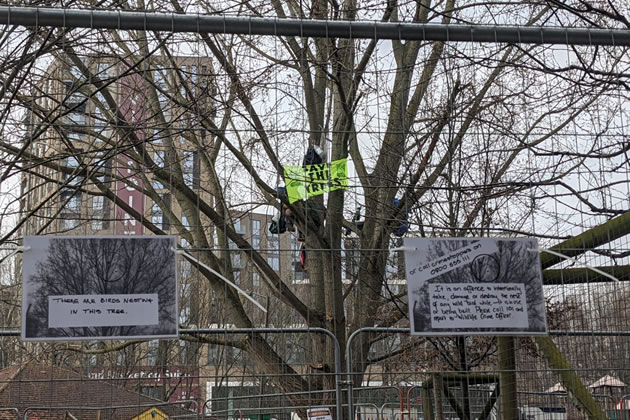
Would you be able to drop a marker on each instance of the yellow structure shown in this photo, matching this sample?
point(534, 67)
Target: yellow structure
point(152, 413)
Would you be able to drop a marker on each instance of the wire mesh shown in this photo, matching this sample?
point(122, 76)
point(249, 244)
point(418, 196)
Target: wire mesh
point(151, 132)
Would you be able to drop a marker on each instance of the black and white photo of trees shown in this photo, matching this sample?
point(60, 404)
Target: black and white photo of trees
point(67, 266)
point(516, 261)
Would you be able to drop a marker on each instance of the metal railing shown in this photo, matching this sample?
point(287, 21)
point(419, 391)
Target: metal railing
point(177, 22)
point(403, 409)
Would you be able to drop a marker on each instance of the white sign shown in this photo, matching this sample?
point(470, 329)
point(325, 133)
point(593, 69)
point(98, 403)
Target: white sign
point(484, 305)
point(319, 413)
point(99, 287)
point(102, 310)
point(464, 286)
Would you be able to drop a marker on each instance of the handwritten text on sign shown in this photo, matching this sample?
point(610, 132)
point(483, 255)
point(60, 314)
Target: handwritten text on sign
point(102, 310)
point(425, 270)
point(479, 305)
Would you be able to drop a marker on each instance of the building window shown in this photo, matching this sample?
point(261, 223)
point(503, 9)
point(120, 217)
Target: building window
point(182, 88)
point(68, 85)
point(76, 118)
point(157, 137)
point(255, 234)
point(157, 217)
point(152, 391)
point(255, 279)
point(159, 77)
point(273, 250)
point(92, 360)
point(74, 137)
point(187, 168)
point(213, 354)
point(76, 97)
point(391, 269)
point(72, 163)
point(190, 169)
point(186, 269)
point(272, 243)
point(128, 220)
point(152, 352)
point(104, 167)
point(98, 203)
point(74, 203)
point(274, 262)
point(235, 255)
point(98, 212)
point(183, 350)
point(184, 306)
point(67, 224)
point(298, 272)
point(235, 356)
point(160, 158)
point(99, 117)
point(256, 227)
point(193, 74)
point(240, 227)
point(103, 69)
point(76, 72)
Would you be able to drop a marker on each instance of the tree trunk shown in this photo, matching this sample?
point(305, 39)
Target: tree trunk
point(569, 379)
point(507, 378)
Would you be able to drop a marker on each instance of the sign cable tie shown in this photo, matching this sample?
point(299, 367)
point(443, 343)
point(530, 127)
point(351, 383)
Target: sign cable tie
point(404, 248)
point(13, 252)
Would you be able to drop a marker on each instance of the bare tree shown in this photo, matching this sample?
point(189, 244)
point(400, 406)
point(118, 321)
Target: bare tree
point(459, 140)
point(110, 266)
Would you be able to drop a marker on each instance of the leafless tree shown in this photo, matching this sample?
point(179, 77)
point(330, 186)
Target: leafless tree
point(471, 140)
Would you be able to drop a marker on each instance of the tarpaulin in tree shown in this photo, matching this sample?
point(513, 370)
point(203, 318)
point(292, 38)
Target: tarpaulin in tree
point(310, 180)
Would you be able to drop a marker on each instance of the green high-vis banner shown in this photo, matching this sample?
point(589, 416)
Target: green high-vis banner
point(311, 180)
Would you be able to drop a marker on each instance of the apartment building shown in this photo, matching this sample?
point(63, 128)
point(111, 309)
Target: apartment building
point(71, 123)
point(82, 141)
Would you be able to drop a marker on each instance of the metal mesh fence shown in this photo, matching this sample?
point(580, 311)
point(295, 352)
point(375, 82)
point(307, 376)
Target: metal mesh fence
point(289, 305)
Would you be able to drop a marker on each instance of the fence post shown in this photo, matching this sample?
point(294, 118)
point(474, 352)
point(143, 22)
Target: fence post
point(195, 403)
point(349, 357)
point(409, 399)
point(372, 405)
point(427, 403)
point(15, 410)
point(437, 393)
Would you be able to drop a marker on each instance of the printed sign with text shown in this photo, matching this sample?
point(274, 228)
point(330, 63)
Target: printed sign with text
point(470, 286)
point(109, 287)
